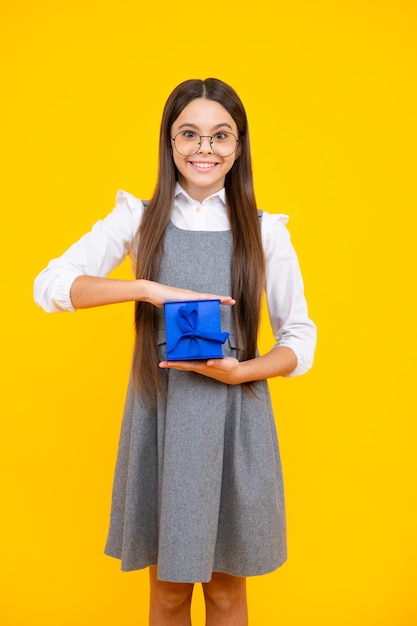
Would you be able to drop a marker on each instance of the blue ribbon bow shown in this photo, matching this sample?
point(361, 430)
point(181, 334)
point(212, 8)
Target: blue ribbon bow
point(187, 318)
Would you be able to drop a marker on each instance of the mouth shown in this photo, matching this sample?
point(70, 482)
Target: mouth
point(203, 165)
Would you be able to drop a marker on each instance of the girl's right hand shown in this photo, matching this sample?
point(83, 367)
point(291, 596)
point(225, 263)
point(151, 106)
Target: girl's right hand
point(157, 294)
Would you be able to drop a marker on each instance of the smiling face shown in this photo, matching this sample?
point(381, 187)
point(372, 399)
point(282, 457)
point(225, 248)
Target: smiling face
point(203, 173)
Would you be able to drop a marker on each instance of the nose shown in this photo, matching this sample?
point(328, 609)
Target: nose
point(208, 144)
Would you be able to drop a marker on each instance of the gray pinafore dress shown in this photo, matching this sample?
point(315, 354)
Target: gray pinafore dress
point(198, 483)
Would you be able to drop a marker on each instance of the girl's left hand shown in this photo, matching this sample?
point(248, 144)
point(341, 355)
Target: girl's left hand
point(225, 370)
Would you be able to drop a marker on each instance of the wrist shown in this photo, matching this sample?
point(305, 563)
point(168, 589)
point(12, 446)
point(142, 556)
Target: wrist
point(143, 292)
point(243, 373)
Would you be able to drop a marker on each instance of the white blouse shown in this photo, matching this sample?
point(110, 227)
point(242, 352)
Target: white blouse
point(116, 236)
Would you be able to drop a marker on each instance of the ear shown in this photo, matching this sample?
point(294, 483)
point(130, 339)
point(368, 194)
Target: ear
point(239, 150)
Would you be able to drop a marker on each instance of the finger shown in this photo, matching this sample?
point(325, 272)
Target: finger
point(223, 299)
point(183, 365)
point(227, 300)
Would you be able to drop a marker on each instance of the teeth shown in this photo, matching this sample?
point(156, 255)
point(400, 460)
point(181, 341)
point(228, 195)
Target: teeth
point(204, 166)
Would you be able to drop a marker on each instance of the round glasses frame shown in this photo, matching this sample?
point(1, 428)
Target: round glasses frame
point(210, 137)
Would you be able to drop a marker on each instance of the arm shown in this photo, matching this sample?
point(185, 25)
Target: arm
point(92, 291)
point(77, 279)
point(287, 306)
point(279, 361)
point(92, 257)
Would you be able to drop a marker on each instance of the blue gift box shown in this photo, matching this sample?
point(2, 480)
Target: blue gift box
point(193, 330)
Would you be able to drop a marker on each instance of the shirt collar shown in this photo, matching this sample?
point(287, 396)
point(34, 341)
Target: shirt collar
point(221, 194)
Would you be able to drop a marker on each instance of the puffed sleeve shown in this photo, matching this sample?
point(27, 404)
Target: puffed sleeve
point(287, 305)
point(96, 254)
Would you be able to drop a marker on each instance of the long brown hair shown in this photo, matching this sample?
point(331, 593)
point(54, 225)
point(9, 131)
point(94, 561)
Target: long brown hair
point(248, 266)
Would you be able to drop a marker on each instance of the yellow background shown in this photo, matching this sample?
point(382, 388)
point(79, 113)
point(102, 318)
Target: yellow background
point(330, 90)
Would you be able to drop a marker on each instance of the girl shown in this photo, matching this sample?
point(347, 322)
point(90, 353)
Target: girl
point(198, 494)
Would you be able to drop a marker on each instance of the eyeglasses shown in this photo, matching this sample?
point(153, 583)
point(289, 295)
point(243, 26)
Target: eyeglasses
point(188, 142)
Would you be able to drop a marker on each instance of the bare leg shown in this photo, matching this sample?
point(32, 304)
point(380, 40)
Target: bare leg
point(170, 603)
point(226, 603)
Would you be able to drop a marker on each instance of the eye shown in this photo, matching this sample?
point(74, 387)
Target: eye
point(189, 134)
point(220, 136)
